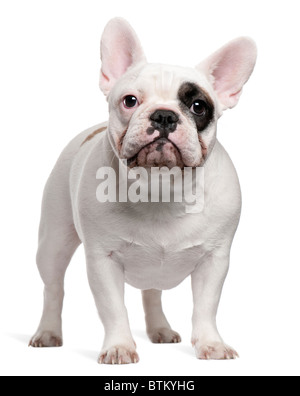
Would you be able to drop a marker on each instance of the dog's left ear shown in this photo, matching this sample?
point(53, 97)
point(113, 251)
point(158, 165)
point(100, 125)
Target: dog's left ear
point(120, 49)
point(229, 69)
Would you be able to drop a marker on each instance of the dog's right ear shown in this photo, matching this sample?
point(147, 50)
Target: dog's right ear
point(120, 49)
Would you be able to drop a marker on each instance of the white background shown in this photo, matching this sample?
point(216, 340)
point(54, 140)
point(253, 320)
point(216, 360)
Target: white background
point(49, 93)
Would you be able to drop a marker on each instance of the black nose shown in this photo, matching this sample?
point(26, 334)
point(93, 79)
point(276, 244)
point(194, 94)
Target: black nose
point(164, 121)
point(164, 117)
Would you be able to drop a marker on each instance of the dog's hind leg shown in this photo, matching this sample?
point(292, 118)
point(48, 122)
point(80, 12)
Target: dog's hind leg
point(54, 254)
point(158, 328)
point(58, 241)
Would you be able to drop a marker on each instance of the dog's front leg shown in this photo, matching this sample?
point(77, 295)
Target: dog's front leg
point(106, 279)
point(207, 282)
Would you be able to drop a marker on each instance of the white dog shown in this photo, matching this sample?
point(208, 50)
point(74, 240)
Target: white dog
point(160, 116)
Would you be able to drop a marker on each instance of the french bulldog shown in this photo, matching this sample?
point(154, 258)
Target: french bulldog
point(160, 116)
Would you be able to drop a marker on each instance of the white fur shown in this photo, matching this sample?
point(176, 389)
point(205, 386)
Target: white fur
point(152, 246)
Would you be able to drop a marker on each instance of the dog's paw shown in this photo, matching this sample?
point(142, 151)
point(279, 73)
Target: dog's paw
point(164, 336)
point(118, 355)
point(214, 351)
point(45, 339)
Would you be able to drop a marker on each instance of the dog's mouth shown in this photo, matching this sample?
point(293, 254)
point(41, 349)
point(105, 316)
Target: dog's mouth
point(161, 152)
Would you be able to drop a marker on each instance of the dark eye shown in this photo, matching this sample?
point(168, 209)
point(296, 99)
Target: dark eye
point(130, 101)
point(198, 108)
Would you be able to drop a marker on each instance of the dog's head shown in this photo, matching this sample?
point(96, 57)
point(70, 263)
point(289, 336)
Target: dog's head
point(167, 115)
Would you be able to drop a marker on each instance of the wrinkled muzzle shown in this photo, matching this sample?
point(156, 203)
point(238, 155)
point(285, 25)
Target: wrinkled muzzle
point(161, 152)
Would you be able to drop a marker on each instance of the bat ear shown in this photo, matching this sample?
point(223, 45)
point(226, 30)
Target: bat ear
point(120, 49)
point(229, 69)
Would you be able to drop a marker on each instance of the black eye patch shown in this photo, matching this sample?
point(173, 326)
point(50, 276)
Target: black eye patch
point(190, 95)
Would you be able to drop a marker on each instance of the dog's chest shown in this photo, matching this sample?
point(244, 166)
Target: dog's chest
point(160, 256)
point(160, 267)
